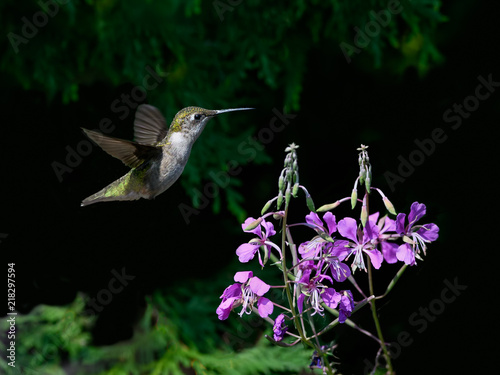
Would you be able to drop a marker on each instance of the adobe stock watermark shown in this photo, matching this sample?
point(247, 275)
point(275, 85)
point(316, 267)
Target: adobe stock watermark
point(364, 36)
point(453, 116)
point(122, 108)
point(40, 19)
point(250, 148)
point(421, 318)
point(223, 6)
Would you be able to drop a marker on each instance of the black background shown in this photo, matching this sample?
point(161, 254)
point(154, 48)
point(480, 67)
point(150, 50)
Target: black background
point(60, 248)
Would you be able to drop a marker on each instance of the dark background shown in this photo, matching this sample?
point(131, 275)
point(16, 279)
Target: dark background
point(60, 248)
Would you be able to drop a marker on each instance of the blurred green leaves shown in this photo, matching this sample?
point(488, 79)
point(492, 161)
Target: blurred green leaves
point(253, 53)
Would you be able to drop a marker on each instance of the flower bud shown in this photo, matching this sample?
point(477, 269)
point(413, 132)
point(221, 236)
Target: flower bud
point(368, 183)
point(295, 189)
point(328, 207)
point(310, 203)
point(354, 198)
point(389, 206)
point(254, 224)
point(281, 182)
point(288, 195)
point(280, 200)
point(266, 207)
point(364, 215)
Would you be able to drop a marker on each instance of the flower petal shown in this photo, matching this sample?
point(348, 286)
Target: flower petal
point(265, 307)
point(246, 252)
point(242, 276)
point(429, 232)
point(347, 228)
point(376, 257)
point(300, 302)
point(329, 219)
point(225, 308)
point(389, 250)
point(313, 219)
point(258, 286)
point(417, 210)
point(269, 228)
point(279, 327)
point(233, 290)
point(400, 223)
point(331, 298)
point(256, 230)
point(405, 254)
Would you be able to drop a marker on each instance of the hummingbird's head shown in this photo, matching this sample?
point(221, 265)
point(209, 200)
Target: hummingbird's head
point(192, 120)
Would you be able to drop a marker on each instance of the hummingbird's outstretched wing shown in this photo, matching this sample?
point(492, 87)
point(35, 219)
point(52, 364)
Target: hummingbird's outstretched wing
point(132, 154)
point(150, 126)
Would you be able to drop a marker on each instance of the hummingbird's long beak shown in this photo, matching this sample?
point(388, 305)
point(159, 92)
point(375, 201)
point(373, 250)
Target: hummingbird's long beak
point(219, 111)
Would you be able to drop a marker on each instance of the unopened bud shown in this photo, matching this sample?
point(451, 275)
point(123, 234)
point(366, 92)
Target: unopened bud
point(254, 224)
point(296, 177)
point(368, 183)
point(362, 176)
point(280, 200)
point(389, 206)
point(364, 215)
point(310, 203)
point(288, 195)
point(266, 207)
point(281, 183)
point(295, 166)
point(354, 198)
point(295, 190)
point(328, 207)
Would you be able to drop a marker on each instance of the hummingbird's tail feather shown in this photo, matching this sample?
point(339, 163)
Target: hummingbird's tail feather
point(119, 190)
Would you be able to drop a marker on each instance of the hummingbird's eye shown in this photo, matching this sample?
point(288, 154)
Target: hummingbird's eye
point(198, 116)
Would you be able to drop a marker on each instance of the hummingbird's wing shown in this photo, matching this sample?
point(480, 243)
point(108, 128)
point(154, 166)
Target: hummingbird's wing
point(150, 126)
point(130, 153)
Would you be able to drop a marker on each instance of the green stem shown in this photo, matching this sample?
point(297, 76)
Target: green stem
point(287, 283)
point(393, 281)
point(377, 323)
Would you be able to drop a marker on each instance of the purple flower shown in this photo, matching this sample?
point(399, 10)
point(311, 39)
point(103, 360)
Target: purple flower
point(311, 249)
point(335, 254)
point(247, 291)
point(316, 293)
point(247, 251)
point(415, 237)
point(362, 239)
point(385, 224)
point(346, 306)
point(279, 328)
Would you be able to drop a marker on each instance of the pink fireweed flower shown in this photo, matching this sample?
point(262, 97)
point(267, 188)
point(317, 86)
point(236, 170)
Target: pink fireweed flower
point(415, 237)
point(247, 291)
point(334, 254)
point(362, 242)
point(279, 328)
point(312, 249)
point(246, 252)
point(346, 306)
point(388, 248)
point(316, 293)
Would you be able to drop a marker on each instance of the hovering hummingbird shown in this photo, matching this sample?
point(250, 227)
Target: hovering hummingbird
point(158, 155)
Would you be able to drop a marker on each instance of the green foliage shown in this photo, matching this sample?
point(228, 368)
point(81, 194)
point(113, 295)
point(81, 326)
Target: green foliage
point(46, 335)
point(171, 337)
point(212, 54)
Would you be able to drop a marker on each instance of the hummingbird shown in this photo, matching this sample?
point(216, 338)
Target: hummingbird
point(158, 155)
